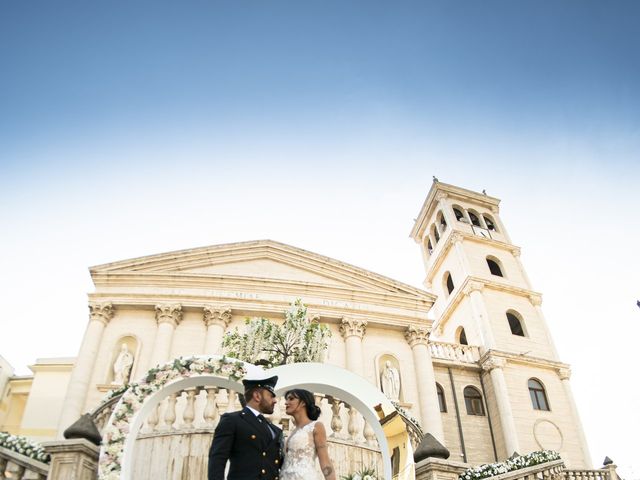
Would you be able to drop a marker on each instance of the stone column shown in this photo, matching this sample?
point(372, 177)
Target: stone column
point(565, 374)
point(352, 330)
point(217, 320)
point(168, 317)
point(418, 339)
point(99, 315)
point(473, 290)
point(494, 365)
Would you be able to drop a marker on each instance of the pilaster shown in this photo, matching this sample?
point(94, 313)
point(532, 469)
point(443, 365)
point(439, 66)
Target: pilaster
point(495, 365)
point(168, 317)
point(353, 330)
point(100, 313)
point(418, 339)
point(217, 320)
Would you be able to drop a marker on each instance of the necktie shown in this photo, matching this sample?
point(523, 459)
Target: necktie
point(265, 424)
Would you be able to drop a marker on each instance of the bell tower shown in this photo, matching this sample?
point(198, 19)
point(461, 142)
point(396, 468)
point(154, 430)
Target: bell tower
point(484, 295)
point(485, 299)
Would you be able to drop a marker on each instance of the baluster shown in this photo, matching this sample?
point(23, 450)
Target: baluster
point(231, 405)
point(3, 467)
point(170, 413)
point(189, 412)
point(153, 420)
point(336, 421)
point(369, 435)
point(211, 408)
point(352, 428)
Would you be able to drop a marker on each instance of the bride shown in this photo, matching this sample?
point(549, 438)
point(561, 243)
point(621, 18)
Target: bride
point(307, 442)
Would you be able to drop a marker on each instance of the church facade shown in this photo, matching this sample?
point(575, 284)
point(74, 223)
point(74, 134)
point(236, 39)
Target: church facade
point(470, 356)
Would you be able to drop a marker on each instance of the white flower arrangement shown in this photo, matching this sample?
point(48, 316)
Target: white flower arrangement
point(514, 463)
point(24, 446)
point(368, 473)
point(110, 464)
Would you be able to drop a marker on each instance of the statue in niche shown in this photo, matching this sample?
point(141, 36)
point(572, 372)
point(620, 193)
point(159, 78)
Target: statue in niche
point(122, 366)
point(390, 381)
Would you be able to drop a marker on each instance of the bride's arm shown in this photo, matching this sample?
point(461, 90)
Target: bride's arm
point(320, 440)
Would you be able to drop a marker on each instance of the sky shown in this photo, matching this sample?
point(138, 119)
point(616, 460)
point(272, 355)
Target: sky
point(134, 128)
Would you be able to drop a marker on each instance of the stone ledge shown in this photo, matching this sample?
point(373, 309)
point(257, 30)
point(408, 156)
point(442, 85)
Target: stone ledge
point(26, 462)
point(81, 445)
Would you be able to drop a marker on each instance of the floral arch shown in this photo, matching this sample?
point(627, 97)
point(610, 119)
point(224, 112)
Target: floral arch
point(138, 401)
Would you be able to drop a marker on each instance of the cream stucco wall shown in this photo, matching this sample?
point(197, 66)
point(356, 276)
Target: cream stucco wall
point(46, 397)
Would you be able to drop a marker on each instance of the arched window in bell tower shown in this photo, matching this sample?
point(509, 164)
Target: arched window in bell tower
point(515, 323)
point(474, 219)
point(429, 246)
point(448, 283)
point(473, 401)
point(436, 235)
point(538, 395)
point(458, 213)
point(461, 336)
point(491, 225)
point(442, 221)
point(494, 266)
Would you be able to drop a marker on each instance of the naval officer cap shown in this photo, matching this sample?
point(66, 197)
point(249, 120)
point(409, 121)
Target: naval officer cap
point(266, 383)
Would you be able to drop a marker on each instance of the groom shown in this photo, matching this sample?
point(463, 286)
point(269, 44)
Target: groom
point(251, 444)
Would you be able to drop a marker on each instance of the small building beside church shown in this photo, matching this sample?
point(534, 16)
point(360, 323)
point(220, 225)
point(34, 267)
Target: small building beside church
point(469, 356)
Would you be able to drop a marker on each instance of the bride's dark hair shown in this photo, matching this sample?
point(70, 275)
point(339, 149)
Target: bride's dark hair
point(313, 410)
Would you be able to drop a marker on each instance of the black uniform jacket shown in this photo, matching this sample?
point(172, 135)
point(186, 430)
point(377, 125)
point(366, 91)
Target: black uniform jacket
point(253, 453)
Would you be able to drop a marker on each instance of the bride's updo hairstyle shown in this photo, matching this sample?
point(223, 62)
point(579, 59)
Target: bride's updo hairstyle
point(313, 410)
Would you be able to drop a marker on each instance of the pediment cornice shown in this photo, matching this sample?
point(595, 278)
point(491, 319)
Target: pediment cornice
point(180, 268)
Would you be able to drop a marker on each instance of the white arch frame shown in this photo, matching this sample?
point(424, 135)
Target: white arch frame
point(372, 404)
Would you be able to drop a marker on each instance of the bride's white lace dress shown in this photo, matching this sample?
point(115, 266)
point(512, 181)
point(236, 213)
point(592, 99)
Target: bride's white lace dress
point(300, 458)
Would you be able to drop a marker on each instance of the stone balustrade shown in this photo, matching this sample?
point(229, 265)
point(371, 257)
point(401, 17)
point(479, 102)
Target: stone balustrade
point(14, 466)
point(454, 352)
point(602, 474)
point(185, 420)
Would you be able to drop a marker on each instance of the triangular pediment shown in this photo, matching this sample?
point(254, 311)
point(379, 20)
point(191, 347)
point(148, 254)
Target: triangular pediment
point(263, 259)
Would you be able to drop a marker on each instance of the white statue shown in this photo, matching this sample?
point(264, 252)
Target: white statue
point(390, 381)
point(122, 366)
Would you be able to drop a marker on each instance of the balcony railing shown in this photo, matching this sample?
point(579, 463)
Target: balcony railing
point(454, 352)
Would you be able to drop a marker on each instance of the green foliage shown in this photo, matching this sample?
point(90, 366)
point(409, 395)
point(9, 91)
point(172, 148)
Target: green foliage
point(263, 342)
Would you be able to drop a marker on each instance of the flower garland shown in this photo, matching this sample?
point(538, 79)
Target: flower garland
point(110, 464)
point(408, 417)
point(24, 446)
point(514, 463)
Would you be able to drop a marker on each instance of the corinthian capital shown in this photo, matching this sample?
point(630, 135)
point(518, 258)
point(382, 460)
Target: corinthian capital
point(102, 312)
point(441, 196)
point(473, 286)
point(417, 335)
point(214, 315)
point(515, 251)
point(169, 313)
point(490, 362)
point(350, 327)
point(564, 373)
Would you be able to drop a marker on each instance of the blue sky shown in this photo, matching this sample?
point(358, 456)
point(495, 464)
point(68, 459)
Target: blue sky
point(133, 128)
